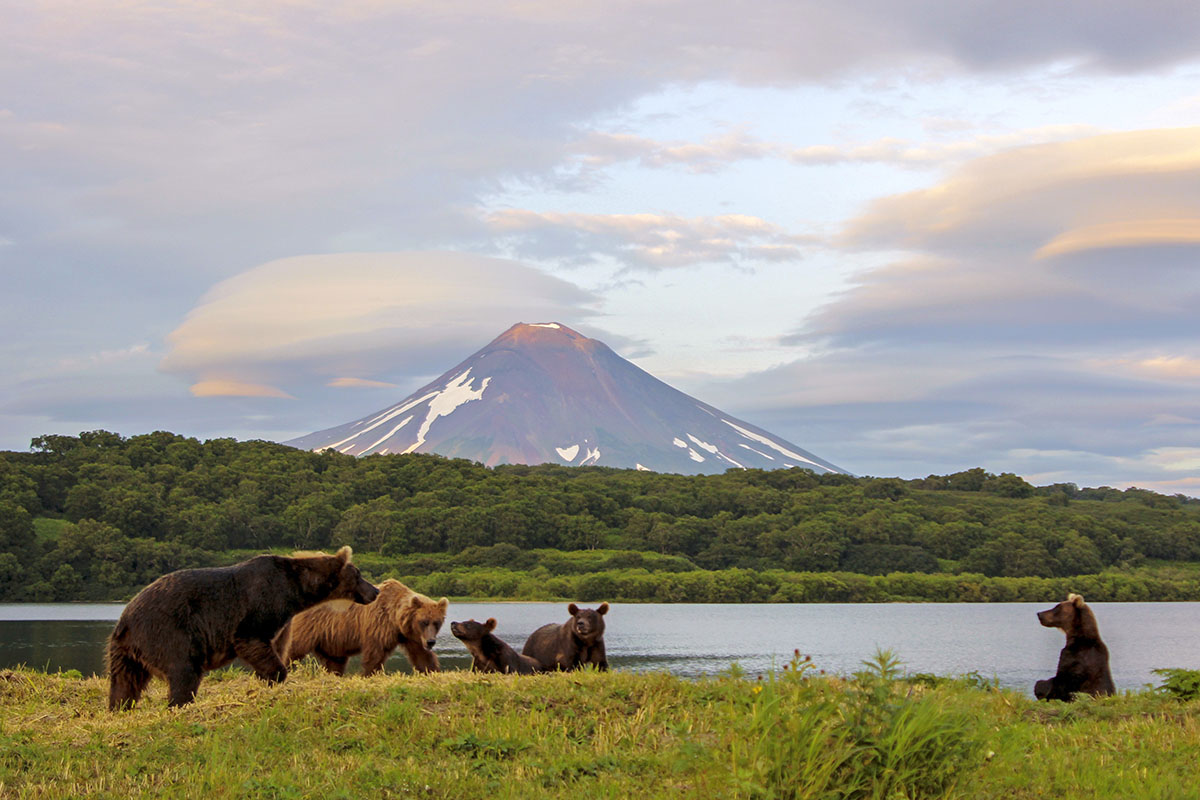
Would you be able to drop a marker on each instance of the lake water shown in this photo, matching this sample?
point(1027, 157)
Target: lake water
point(997, 640)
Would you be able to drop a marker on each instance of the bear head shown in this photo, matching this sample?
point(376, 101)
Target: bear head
point(422, 618)
point(334, 577)
point(1072, 616)
point(471, 630)
point(587, 624)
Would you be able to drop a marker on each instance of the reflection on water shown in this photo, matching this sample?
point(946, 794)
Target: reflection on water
point(1000, 640)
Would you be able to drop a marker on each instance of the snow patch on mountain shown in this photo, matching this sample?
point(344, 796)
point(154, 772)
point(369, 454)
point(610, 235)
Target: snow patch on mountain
point(752, 450)
point(694, 456)
point(678, 442)
point(379, 420)
point(554, 325)
point(387, 436)
point(730, 460)
point(764, 440)
point(567, 454)
point(712, 448)
point(457, 392)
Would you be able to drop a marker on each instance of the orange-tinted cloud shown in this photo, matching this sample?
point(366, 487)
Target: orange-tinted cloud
point(315, 319)
point(1123, 233)
point(360, 383)
point(227, 388)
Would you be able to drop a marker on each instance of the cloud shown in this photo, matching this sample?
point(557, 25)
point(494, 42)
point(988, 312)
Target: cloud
point(1043, 304)
point(599, 149)
point(311, 320)
point(930, 153)
point(1049, 243)
point(1123, 233)
point(223, 388)
point(647, 241)
point(360, 383)
point(1027, 198)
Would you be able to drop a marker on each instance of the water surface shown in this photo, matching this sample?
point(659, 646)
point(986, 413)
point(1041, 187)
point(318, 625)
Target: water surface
point(997, 640)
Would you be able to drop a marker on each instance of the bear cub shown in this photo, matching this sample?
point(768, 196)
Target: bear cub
point(1083, 662)
point(488, 652)
point(195, 620)
point(578, 641)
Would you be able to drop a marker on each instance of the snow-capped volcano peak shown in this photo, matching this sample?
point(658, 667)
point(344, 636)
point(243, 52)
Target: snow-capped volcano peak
point(543, 392)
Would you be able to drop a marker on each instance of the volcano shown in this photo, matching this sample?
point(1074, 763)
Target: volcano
point(541, 392)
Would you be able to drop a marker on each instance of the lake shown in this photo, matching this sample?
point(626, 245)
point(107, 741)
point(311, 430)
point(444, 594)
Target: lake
point(997, 640)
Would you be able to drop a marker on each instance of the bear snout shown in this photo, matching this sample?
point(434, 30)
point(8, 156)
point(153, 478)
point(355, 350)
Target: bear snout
point(364, 592)
point(1043, 617)
point(430, 643)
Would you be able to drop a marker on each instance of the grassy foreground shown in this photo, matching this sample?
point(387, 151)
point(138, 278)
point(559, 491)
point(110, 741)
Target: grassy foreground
point(590, 735)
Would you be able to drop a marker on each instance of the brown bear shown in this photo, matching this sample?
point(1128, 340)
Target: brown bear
point(488, 652)
point(399, 616)
point(195, 620)
point(578, 641)
point(1083, 663)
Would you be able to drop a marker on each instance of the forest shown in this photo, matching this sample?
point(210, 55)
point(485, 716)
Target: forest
point(99, 515)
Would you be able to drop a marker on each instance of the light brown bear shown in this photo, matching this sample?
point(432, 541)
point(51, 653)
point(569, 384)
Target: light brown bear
point(1083, 662)
point(399, 616)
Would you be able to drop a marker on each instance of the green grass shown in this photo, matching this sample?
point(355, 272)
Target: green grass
point(591, 735)
point(47, 529)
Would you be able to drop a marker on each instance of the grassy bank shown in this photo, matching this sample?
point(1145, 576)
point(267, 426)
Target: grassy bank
point(459, 735)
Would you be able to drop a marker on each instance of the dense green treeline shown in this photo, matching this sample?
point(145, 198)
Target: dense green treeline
point(99, 515)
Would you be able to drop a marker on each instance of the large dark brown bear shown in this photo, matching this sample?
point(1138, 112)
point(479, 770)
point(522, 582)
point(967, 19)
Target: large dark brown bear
point(399, 616)
point(489, 653)
point(195, 620)
point(578, 641)
point(1083, 663)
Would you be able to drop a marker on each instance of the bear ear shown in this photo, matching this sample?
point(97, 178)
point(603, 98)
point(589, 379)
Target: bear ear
point(572, 609)
point(603, 609)
point(1076, 599)
point(344, 554)
point(443, 603)
point(415, 601)
point(490, 624)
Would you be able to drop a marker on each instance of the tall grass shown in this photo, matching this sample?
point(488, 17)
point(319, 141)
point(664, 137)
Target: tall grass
point(872, 738)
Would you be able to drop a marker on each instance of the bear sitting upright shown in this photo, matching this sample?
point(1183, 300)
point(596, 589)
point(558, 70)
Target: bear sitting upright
point(1083, 663)
point(488, 652)
point(194, 620)
point(578, 641)
point(399, 616)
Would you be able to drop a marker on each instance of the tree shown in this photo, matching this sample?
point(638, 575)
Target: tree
point(16, 530)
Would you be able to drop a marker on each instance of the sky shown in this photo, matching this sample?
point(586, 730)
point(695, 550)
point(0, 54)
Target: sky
point(912, 238)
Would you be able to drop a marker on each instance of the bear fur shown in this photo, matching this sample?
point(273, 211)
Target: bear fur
point(194, 620)
point(578, 641)
point(398, 617)
point(1083, 663)
point(488, 652)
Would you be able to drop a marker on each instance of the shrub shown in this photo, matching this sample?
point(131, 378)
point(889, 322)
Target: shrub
point(872, 740)
point(1183, 684)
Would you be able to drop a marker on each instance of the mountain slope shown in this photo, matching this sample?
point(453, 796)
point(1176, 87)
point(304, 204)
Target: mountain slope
point(543, 392)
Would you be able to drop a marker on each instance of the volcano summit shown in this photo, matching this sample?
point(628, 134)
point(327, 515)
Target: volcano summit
point(543, 392)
